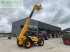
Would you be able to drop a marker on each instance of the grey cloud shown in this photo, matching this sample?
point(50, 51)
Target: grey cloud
point(20, 15)
point(9, 13)
point(6, 11)
point(58, 15)
point(0, 18)
point(68, 3)
point(29, 3)
point(64, 20)
point(4, 26)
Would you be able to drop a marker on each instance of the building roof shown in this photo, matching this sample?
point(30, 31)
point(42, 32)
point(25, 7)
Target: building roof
point(43, 25)
point(68, 29)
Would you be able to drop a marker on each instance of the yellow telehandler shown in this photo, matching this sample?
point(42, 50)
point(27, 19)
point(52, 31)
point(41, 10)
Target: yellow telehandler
point(27, 41)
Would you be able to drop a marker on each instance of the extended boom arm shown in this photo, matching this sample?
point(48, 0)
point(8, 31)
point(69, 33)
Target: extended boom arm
point(24, 29)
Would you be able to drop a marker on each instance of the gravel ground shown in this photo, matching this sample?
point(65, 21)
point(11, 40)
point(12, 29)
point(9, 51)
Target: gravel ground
point(51, 45)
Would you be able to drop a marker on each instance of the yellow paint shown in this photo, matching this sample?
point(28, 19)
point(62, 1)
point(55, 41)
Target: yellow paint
point(24, 28)
point(37, 7)
point(20, 42)
point(33, 38)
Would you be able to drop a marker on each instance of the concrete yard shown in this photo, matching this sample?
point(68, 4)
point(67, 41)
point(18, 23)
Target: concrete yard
point(51, 45)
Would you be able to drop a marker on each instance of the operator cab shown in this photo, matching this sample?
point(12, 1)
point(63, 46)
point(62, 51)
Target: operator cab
point(30, 33)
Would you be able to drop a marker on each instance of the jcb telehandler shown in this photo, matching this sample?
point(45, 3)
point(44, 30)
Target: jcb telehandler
point(27, 41)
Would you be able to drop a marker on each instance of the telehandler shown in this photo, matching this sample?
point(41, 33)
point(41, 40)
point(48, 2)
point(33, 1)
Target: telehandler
point(27, 41)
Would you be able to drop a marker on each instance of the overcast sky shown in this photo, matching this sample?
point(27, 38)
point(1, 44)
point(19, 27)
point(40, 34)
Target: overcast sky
point(55, 12)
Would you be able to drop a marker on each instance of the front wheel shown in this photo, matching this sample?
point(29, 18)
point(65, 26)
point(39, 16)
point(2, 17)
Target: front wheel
point(27, 43)
point(41, 42)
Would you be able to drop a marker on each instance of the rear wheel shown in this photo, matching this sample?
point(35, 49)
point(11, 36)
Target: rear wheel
point(41, 42)
point(27, 43)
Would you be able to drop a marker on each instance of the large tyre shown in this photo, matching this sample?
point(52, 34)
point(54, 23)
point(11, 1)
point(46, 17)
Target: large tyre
point(41, 42)
point(27, 43)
